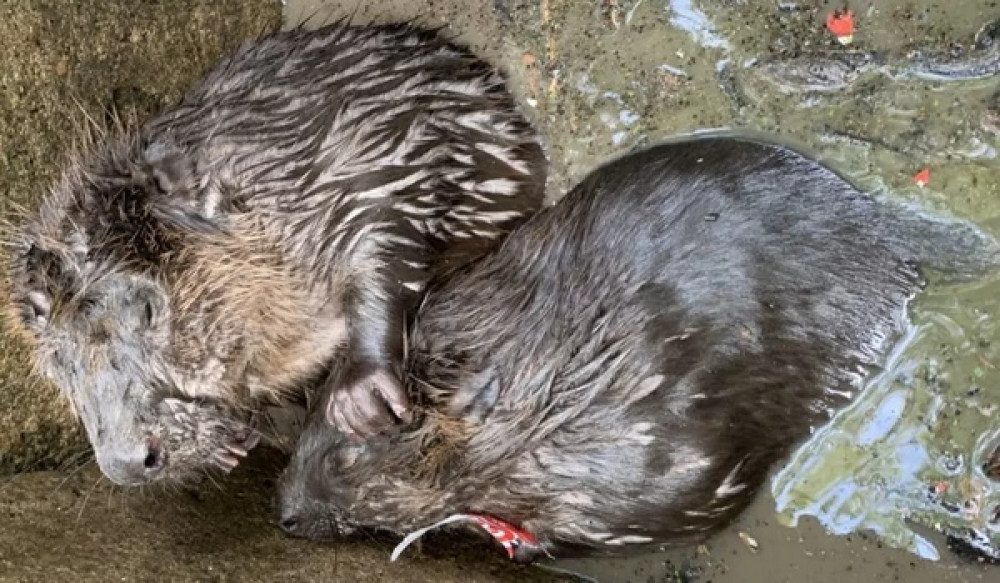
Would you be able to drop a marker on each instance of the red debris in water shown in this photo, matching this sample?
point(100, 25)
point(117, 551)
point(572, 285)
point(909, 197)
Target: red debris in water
point(922, 178)
point(841, 23)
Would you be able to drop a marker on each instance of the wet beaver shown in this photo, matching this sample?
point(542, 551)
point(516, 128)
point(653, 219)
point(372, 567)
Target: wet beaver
point(629, 364)
point(284, 216)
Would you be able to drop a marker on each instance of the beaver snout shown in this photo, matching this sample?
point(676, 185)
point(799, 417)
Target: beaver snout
point(290, 524)
point(301, 514)
point(134, 466)
point(311, 526)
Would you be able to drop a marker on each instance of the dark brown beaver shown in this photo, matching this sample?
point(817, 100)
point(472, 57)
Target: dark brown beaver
point(285, 215)
point(629, 364)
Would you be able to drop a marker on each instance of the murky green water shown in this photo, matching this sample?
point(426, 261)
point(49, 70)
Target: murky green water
point(603, 76)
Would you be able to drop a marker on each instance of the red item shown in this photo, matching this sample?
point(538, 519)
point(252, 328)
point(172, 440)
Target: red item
point(841, 23)
point(922, 178)
point(507, 535)
point(511, 537)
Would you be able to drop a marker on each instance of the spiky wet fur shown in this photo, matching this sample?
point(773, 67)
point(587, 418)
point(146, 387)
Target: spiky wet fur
point(229, 250)
point(627, 367)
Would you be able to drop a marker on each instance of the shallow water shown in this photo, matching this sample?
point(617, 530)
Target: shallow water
point(600, 77)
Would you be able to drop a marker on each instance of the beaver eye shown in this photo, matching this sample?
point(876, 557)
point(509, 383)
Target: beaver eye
point(147, 308)
point(89, 307)
point(147, 315)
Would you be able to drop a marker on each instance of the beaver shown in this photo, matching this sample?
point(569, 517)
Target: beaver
point(271, 230)
point(628, 365)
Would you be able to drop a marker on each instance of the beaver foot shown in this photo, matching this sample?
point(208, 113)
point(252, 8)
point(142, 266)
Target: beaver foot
point(361, 402)
point(231, 451)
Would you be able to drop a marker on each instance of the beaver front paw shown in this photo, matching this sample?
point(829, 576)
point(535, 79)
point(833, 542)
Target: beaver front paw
point(365, 404)
point(197, 434)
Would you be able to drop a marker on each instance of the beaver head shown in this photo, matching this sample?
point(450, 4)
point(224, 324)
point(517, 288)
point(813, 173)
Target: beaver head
point(332, 483)
point(158, 312)
point(335, 485)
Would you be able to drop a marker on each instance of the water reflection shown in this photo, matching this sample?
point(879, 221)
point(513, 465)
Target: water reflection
point(911, 448)
point(685, 16)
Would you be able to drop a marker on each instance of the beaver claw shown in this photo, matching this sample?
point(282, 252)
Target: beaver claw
point(232, 452)
point(360, 407)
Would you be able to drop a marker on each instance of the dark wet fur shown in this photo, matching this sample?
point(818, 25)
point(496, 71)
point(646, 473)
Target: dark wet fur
point(634, 360)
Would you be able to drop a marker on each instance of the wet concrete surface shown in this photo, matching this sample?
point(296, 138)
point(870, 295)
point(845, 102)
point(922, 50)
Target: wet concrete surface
point(600, 77)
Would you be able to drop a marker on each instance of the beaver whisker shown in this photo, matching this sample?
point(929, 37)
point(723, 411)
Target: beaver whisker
point(86, 497)
point(77, 461)
point(371, 536)
point(208, 475)
point(70, 475)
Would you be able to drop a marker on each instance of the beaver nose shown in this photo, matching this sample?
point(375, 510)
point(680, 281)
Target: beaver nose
point(290, 524)
point(137, 466)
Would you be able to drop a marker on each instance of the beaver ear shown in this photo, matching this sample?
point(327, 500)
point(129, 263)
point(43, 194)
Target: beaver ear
point(38, 276)
point(328, 416)
point(171, 169)
point(34, 309)
point(184, 204)
point(349, 454)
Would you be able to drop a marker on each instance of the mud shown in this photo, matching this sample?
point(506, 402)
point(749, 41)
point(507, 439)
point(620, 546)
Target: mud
point(599, 77)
